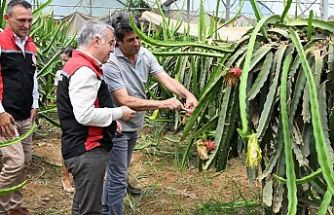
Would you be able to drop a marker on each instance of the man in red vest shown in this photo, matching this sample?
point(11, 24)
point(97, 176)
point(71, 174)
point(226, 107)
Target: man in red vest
point(18, 100)
point(87, 117)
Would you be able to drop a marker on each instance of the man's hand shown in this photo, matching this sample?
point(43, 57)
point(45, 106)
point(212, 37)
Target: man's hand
point(191, 104)
point(119, 127)
point(33, 114)
point(171, 104)
point(128, 113)
point(7, 127)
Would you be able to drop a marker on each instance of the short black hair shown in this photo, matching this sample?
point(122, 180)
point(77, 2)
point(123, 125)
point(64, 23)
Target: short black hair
point(68, 51)
point(121, 24)
point(14, 3)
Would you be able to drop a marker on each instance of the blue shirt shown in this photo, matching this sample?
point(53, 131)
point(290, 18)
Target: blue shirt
point(119, 73)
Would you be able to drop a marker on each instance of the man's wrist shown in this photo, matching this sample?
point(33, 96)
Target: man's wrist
point(161, 104)
point(190, 96)
point(116, 113)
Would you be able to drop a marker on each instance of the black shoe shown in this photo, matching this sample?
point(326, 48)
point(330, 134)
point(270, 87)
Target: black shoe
point(133, 190)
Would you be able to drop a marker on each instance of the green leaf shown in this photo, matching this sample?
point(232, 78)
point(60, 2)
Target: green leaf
point(303, 180)
point(324, 159)
point(316, 23)
point(304, 152)
point(41, 7)
point(258, 16)
point(178, 44)
point(235, 56)
point(220, 126)
point(325, 204)
point(2, 13)
point(286, 9)
point(290, 167)
point(165, 27)
point(191, 121)
point(227, 140)
point(270, 101)
point(278, 148)
point(279, 31)
point(46, 68)
point(203, 103)
point(6, 191)
point(244, 76)
point(262, 76)
point(202, 22)
point(54, 122)
point(310, 26)
point(299, 89)
point(259, 55)
point(188, 53)
point(323, 115)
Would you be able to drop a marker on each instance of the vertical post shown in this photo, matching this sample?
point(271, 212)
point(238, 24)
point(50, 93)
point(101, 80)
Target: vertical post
point(324, 9)
point(228, 9)
point(188, 10)
point(90, 7)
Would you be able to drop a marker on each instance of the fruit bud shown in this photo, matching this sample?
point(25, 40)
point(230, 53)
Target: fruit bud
point(236, 72)
point(210, 145)
point(254, 156)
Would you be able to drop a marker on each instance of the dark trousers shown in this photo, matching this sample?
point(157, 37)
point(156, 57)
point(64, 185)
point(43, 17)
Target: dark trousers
point(88, 170)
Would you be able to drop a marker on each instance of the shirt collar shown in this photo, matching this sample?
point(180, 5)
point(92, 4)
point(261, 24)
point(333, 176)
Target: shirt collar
point(119, 52)
point(8, 30)
point(91, 56)
point(18, 39)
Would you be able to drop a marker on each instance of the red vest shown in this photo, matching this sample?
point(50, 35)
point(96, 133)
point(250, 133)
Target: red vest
point(76, 138)
point(16, 75)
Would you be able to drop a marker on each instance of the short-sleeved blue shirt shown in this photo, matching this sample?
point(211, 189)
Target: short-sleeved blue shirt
point(120, 73)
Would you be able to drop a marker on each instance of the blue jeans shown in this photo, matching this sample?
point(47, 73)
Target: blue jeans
point(116, 181)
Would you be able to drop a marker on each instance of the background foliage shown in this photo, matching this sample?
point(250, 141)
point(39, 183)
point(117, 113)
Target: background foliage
point(283, 104)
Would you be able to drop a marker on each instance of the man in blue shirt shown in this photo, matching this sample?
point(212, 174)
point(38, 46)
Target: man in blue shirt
point(126, 74)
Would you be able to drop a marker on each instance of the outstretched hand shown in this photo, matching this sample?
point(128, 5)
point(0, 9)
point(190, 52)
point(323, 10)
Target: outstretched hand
point(191, 104)
point(172, 104)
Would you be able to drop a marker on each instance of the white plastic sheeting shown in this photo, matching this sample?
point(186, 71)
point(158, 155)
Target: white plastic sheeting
point(225, 33)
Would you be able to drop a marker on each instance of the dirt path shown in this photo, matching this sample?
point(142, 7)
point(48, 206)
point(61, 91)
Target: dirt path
point(166, 189)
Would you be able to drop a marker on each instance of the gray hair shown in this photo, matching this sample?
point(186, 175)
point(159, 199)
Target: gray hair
point(14, 3)
point(92, 29)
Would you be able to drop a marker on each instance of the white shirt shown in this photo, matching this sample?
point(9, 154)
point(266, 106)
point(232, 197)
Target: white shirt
point(35, 95)
point(83, 89)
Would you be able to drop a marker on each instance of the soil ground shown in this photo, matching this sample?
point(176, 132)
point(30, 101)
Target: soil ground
point(167, 190)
